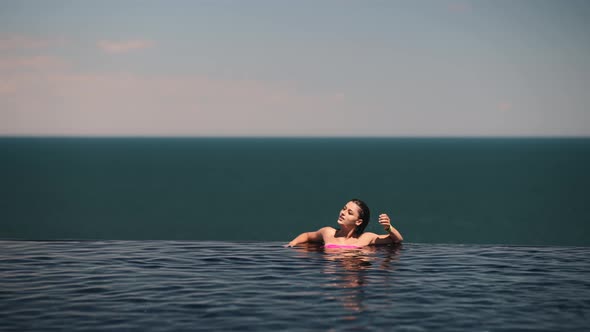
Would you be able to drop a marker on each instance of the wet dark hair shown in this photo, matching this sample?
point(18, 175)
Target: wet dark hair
point(364, 214)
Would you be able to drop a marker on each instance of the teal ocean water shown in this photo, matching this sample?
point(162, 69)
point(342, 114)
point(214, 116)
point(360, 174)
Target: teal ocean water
point(453, 190)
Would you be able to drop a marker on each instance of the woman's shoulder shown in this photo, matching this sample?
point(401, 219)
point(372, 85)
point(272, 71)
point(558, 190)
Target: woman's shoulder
point(328, 229)
point(368, 235)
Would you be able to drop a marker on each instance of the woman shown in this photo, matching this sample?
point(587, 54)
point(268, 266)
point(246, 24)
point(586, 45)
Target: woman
point(353, 219)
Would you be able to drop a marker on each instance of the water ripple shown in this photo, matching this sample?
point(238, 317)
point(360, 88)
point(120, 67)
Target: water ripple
point(175, 285)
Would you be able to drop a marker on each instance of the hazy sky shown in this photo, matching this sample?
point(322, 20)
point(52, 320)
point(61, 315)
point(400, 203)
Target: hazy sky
point(305, 68)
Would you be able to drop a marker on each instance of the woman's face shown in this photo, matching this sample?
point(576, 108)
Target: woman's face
point(349, 215)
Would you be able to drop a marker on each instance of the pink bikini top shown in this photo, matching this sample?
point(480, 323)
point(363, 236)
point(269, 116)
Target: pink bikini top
point(341, 246)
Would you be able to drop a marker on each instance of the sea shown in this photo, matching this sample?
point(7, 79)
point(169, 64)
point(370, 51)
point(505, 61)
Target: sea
point(185, 234)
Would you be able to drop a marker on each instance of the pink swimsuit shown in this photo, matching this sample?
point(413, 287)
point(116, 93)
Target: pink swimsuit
point(341, 246)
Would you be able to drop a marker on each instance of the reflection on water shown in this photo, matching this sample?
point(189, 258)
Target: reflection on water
point(262, 286)
point(349, 271)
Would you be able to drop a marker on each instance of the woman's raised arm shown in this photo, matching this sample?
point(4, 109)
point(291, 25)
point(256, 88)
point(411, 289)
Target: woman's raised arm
point(392, 236)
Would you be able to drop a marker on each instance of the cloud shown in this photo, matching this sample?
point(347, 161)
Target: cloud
point(7, 88)
point(119, 47)
point(37, 62)
point(504, 106)
point(459, 7)
point(69, 103)
point(21, 42)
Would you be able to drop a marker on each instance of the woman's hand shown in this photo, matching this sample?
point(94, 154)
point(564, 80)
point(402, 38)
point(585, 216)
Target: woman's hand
point(392, 236)
point(385, 221)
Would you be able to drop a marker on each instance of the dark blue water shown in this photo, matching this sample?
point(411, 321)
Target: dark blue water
point(262, 286)
point(478, 191)
point(230, 204)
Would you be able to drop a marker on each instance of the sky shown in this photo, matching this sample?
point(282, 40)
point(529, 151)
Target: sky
point(295, 68)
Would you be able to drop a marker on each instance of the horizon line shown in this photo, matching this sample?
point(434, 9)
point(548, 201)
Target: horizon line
point(303, 136)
